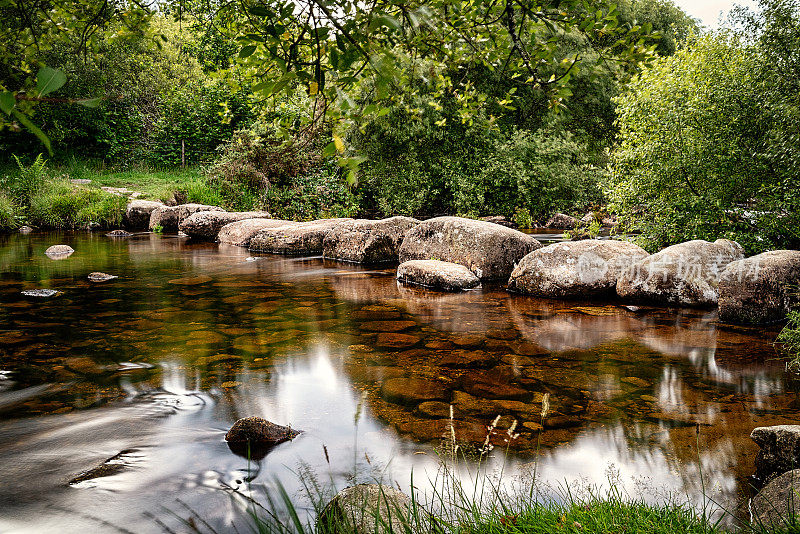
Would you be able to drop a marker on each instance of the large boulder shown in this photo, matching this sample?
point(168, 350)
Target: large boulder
point(240, 233)
point(487, 249)
point(366, 509)
point(207, 224)
point(686, 274)
point(560, 221)
point(437, 274)
point(137, 215)
point(575, 268)
point(779, 450)
point(760, 289)
point(169, 217)
point(364, 241)
point(298, 239)
point(777, 505)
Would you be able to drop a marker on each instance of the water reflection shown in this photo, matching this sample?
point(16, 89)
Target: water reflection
point(192, 337)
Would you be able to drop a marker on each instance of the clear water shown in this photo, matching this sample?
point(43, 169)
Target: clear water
point(147, 372)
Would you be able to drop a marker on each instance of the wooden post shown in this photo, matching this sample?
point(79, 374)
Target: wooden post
point(183, 153)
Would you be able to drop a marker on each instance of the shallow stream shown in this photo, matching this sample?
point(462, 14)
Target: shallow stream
point(115, 397)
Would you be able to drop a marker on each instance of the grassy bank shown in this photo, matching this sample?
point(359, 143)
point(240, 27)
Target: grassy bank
point(70, 195)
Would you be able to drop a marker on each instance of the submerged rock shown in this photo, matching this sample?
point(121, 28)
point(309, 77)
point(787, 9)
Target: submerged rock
point(779, 450)
point(364, 241)
point(759, 289)
point(686, 274)
point(118, 233)
point(259, 432)
point(58, 252)
point(489, 250)
point(137, 215)
point(240, 233)
point(412, 391)
point(366, 509)
point(101, 277)
point(560, 221)
point(437, 274)
point(207, 224)
point(297, 239)
point(575, 268)
point(40, 293)
point(777, 502)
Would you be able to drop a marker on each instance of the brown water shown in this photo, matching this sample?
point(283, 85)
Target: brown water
point(143, 375)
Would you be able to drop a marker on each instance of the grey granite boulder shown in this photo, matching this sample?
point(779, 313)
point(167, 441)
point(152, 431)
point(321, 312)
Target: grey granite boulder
point(487, 249)
point(297, 239)
point(240, 233)
point(365, 241)
point(777, 505)
point(779, 450)
point(366, 509)
point(205, 225)
point(575, 268)
point(560, 221)
point(437, 274)
point(169, 217)
point(137, 215)
point(685, 274)
point(761, 289)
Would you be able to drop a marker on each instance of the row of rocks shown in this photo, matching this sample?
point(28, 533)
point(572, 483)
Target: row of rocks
point(752, 290)
point(453, 253)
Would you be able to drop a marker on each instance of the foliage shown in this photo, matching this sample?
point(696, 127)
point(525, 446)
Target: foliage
point(789, 339)
point(318, 195)
point(62, 205)
point(158, 106)
point(8, 219)
point(333, 50)
point(27, 181)
point(669, 21)
point(31, 28)
point(543, 172)
point(694, 157)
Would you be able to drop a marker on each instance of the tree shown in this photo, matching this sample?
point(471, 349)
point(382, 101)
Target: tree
point(696, 156)
point(31, 28)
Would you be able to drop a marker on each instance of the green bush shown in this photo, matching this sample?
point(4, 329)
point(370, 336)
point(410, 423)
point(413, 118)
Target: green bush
point(540, 172)
point(62, 205)
point(693, 160)
point(8, 220)
point(418, 158)
point(320, 194)
point(789, 339)
point(26, 181)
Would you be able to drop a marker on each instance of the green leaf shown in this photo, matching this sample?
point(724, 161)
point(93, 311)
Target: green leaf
point(89, 102)
point(49, 80)
point(7, 102)
point(34, 130)
point(247, 51)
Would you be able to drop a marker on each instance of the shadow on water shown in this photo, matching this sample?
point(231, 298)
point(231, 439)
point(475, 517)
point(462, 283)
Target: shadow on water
point(115, 397)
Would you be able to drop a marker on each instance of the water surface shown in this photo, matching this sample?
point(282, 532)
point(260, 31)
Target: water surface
point(138, 379)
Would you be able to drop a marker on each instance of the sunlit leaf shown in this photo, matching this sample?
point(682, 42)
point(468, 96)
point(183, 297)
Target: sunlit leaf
point(49, 80)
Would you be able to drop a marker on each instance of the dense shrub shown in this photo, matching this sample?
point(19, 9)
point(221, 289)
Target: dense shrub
point(694, 158)
point(63, 205)
point(321, 193)
point(8, 219)
point(155, 96)
point(541, 173)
